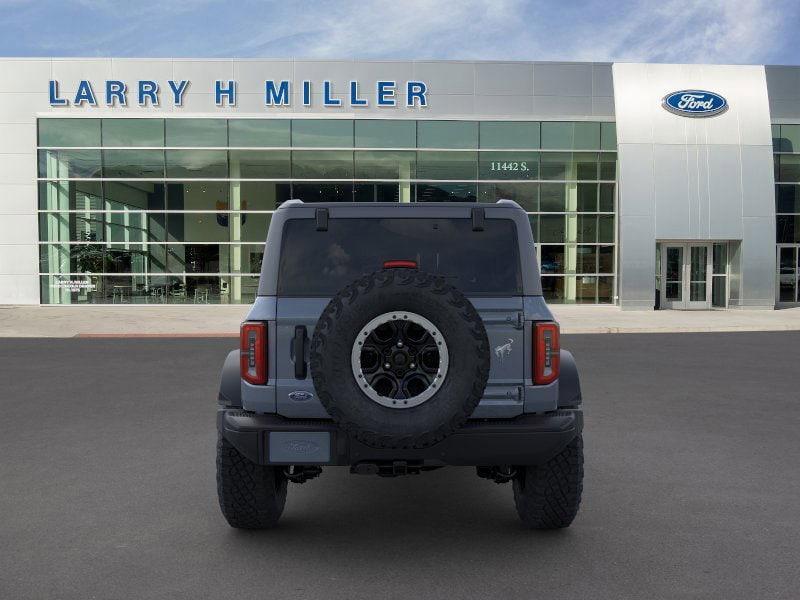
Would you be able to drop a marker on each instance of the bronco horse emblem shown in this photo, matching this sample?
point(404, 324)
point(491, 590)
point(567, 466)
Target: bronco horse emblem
point(504, 350)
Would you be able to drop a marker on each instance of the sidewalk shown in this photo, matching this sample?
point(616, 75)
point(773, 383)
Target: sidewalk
point(223, 320)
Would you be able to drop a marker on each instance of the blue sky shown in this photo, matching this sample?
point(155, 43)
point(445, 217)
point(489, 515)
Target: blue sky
point(711, 31)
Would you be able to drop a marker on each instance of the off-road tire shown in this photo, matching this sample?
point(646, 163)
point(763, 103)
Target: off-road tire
point(548, 496)
point(386, 291)
point(251, 496)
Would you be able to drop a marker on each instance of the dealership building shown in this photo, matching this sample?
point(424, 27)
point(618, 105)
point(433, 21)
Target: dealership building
point(151, 181)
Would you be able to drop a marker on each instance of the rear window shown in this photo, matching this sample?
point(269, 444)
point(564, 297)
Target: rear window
point(320, 263)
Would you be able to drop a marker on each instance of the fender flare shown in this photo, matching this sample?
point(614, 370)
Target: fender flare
point(230, 383)
point(569, 383)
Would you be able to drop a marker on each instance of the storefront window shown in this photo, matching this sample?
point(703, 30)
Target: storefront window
point(69, 164)
point(509, 134)
point(786, 143)
point(130, 133)
point(382, 133)
point(175, 210)
point(197, 133)
point(447, 134)
point(132, 164)
point(199, 164)
point(322, 133)
point(260, 164)
point(385, 164)
point(69, 133)
point(259, 133)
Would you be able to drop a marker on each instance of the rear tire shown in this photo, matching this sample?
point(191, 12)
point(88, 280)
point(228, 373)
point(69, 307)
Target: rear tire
point(548, 496)
point(251, 496)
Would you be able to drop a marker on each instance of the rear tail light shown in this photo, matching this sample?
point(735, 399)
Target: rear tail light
point(546, 353)
point(253, 347)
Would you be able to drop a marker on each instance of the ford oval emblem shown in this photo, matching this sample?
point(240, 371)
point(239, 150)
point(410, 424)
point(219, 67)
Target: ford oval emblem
point(695, 103)
point(300, 396)
point(301, 446)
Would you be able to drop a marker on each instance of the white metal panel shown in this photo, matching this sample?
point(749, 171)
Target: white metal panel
point(24, 75)
point(19, 289)
point(19, 259)
point(15, 136)
point(18, 198)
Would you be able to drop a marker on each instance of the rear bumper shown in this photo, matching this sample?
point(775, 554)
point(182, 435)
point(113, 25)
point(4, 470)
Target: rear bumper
point(525, 440)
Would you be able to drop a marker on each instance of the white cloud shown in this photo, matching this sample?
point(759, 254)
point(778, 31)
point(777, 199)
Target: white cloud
point(735, 31)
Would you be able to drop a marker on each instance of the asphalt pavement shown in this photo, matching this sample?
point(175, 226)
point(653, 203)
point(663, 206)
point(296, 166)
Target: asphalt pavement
point(692, 485)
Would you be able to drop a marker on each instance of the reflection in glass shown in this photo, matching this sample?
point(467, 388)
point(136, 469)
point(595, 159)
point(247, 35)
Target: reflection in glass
point(385, 165)
point(64, 164)
point(606, 197)
point(556, 166)
point(258, 133)
point(65, 133)
point(384, 133)
point(608, 136)
point(720, 266)
point(197, 164)
point(447, 165)
point(322, 133)
point(552, 229)
point(447, 134)
point(789, 169)
point(509, 134)
point(585, 166)
point(133, 132)
point(553, 197)
point(260, 164)
point(132, 164)
point(197, 133)
point(587, 197)
point(322, 164)
point(608, 166)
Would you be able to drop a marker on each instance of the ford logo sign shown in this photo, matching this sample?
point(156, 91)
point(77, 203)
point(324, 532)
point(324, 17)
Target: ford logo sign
point(301, 446)
point(695, 103)
point(300, 396)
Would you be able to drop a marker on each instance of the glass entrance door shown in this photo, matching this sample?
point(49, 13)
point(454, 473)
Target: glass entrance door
point(788, 291)
point(686, 276)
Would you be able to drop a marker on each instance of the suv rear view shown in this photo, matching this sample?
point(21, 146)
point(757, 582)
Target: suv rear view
point(396, 339)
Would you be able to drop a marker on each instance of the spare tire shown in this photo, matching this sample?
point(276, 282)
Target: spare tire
point(400, 359)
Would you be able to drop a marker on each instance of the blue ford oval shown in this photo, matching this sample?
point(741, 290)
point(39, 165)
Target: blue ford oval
point(695, 103)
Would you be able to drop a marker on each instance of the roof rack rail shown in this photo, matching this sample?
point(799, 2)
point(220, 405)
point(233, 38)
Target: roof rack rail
point(507, 202)
point(292, 202)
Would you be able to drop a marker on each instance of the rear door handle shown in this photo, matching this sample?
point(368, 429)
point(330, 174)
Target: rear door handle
point(299, 350)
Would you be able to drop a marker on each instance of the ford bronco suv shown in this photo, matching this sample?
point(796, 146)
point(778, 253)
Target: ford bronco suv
point(394, 339)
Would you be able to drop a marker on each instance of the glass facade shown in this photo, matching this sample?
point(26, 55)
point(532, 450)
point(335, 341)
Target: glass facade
point(176, 210)
point(786, 148)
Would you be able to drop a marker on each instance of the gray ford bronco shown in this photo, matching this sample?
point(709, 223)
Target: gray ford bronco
point(394, 339)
